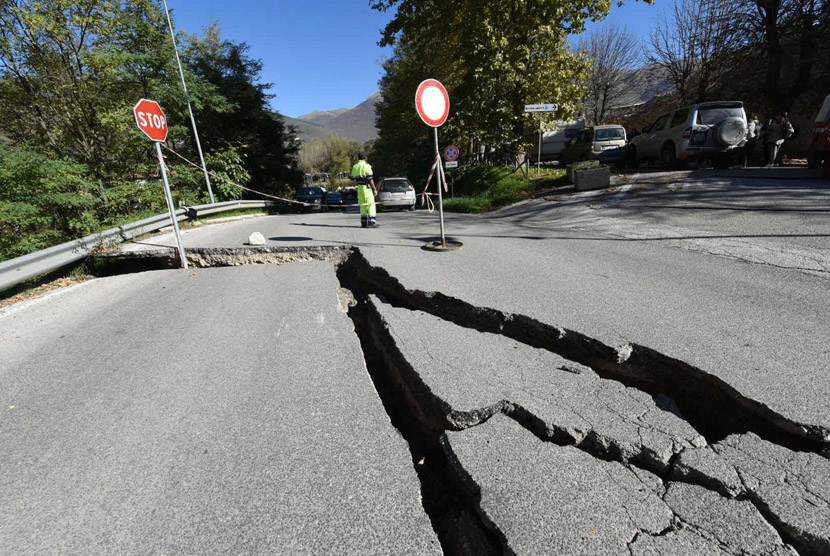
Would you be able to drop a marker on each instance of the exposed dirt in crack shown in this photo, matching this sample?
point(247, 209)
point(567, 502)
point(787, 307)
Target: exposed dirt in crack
point(111, 264)
point(709, 404)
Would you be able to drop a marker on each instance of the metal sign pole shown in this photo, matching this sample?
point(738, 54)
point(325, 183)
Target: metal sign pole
point(189, 107)
point(169, 198)
point(539, 158)
point(439, 172)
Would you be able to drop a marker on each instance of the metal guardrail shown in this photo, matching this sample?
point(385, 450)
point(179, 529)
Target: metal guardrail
point(15, 271)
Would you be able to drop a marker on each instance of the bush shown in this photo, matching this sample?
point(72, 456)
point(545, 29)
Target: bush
point(484, 188)
point(43, 202)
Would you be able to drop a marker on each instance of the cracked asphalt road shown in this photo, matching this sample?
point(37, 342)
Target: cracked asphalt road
point(106, 415)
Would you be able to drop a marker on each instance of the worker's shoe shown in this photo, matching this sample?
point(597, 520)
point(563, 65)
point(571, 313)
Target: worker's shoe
point(364, 221)
point(373, 223)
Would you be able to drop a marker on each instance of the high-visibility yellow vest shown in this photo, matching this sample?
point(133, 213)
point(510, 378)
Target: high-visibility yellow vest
point(362, 172)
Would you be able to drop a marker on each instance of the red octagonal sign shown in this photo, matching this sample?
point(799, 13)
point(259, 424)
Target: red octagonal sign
point(151, 119)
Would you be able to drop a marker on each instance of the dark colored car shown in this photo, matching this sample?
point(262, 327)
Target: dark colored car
point(333, 200)
point(317, 198)
point(350, 197)
point(312, 196)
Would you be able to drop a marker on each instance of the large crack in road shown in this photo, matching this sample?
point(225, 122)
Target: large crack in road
point(747, 450)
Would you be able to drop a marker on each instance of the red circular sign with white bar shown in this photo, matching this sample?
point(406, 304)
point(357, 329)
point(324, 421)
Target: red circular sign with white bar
point(432, 103)
point(151, 119)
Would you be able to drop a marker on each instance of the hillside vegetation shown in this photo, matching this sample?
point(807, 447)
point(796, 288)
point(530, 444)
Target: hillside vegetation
point(73, 162)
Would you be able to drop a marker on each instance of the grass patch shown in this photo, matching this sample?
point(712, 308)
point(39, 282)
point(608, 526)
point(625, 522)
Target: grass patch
point(41, 285)
point(485, 188)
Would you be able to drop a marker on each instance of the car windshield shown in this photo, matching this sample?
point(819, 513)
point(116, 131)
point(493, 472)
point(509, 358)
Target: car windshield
point(611, 134)
point(309, 191)
point(711, 115)
point(395, 186)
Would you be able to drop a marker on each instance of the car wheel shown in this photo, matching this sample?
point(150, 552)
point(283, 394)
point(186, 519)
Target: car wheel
point(631, 158)
point(668, 157)
point(411, 207)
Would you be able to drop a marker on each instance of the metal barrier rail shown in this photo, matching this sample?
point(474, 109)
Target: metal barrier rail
point(15, 271)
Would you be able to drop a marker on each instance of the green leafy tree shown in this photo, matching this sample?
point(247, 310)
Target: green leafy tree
point(42, 201)
point(269, 146)
point(71, 70)
point(494, 57)
point(331, 154)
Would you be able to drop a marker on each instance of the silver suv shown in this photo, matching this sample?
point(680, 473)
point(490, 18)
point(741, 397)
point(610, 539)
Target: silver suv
point(713, 130)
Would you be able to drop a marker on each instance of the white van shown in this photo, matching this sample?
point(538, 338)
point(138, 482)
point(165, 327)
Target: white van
point(554, 141)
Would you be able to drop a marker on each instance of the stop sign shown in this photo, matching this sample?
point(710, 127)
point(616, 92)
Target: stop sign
point(150, 119)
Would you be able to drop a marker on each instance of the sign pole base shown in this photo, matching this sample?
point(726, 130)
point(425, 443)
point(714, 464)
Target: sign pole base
point(440, 184)
point(169, 198)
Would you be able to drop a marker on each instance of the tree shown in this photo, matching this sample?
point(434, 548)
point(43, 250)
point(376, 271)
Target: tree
point(268, 146)
point(71, 70)
point(494, 57)
point(613, 52)
point(42, 201)
point(692, 44)
point(331, 154)
point(790, 33)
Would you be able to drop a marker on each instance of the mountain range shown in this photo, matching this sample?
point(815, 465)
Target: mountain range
point(357, 123)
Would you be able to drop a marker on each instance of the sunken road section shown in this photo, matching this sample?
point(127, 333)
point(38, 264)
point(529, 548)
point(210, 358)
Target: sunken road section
point(759, 469)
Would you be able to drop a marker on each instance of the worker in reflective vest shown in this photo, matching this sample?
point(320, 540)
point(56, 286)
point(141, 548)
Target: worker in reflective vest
point(366, 192)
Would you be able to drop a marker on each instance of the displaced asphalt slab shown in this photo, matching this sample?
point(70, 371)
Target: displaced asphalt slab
point(758, 327)
point(474, 374)
point(547, 499)
point(199, 412)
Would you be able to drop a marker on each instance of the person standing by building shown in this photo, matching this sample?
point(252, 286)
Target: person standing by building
point(366, 192)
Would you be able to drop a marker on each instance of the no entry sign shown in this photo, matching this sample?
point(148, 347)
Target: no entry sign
point(432, 102)
point(151, 119)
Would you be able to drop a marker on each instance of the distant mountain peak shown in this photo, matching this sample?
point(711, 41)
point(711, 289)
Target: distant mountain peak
point(357, 123)
point(317, 115)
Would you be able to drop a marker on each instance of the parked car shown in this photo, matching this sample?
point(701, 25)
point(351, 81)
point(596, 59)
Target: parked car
point(554, 141)
point(350, 196)
point(710, 130)
point(313, 196)
point(396, 193)
point(591, 143)
point(819, 154)
point(333, 200)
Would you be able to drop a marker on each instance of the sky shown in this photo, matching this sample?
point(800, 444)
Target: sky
point(323, 54)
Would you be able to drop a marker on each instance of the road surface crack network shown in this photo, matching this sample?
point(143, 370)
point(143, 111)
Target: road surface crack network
point(635, 366)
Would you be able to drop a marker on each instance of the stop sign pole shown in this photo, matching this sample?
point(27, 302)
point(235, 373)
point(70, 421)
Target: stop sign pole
point(152, 121)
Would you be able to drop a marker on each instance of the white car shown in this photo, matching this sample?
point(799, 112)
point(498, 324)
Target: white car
point(396, 193)
point(710, 130)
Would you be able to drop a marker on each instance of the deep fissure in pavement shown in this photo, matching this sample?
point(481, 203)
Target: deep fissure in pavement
point(448, 500)
point(450, 497)
point(710, 405)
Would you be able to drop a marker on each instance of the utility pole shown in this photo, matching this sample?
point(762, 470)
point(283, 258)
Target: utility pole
point(187, 97)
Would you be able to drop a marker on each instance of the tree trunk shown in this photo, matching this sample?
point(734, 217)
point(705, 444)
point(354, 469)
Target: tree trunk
point(770, 10)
